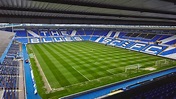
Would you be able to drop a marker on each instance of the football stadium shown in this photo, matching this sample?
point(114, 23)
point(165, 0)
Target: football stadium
point(87, 49)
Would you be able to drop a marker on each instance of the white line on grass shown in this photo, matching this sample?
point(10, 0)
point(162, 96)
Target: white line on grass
point(85, 82)
point(40, 68)
point(80, 73)
point(107, 85)
point(110, 72)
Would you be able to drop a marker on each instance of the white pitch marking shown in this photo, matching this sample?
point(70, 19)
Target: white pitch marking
point(80, 73)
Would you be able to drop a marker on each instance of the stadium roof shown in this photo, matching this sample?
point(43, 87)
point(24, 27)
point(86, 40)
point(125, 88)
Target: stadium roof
point(141, 12)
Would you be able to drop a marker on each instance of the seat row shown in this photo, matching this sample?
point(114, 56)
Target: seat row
point(8, 70)
point(9, 82)
point(9, 73)
point(10, 94)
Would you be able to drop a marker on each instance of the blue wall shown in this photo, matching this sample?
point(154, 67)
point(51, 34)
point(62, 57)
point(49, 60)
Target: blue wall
point(28, 78)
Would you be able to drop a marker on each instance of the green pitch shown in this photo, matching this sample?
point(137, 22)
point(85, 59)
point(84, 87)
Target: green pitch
point(71, 67)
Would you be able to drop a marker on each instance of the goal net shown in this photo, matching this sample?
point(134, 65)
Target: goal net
point(164, 62)
point(135, 67)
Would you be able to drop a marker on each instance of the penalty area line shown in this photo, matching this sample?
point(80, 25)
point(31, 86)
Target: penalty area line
point(110, 72)
point(80, 73)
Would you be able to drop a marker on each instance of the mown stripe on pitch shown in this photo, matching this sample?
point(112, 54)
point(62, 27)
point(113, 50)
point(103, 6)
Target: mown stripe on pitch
point(92, 57)
point(57, 74)
point(95, 57)
point(78, 63)
point(62, 60)
point(49, 75)
point(68, 67)
point(61, 67)
point(87, 68)
point(62, 52)
point(99, 49)
point(125, 56)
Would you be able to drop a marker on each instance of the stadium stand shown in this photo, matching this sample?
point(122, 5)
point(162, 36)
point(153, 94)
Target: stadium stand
point(21, 33)
point(154, 49)
point(93, 38)
point(106, 40)
point(128, 49)
point(44, 33)
point(121, 34)
point(77, 38)
point(95, 32)
point(113, 34)
point(68, 38)
point(116, 34)
point(134, 35)
point(144, 42)
point(34, 40)
point(68, 32)
point(86, 37)
point(164, 37)
point(150, 36)
point(80, 32)
point(55, 33)
point(100, 32)
point(33, 33)
point(9, 73)
point(158, 88)
point(101, 39)
point(73, 33)
point(138, 46)
point(169, 52)
point(133, 41)
point(46, 39)
point(168, 39)
point(142, 35)
point(58, 39)
point(88, 32)
point(171, 42)
point(109, 34)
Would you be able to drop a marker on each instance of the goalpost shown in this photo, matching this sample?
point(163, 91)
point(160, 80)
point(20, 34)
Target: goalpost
point(132, 67)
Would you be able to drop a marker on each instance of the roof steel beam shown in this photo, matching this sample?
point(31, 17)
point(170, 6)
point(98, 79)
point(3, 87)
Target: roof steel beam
point(67, 20)
point(82, 13)
point(90, 4)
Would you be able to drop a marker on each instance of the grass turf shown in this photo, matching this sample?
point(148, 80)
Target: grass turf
point(78, 66)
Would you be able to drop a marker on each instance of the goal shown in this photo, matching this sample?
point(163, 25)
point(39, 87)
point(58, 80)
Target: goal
point(135, 67)
point(164, 62)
